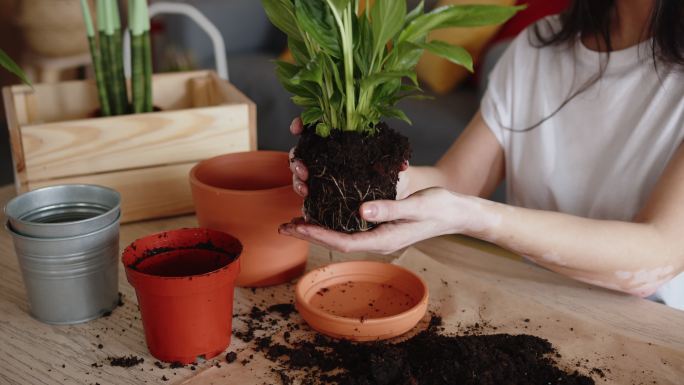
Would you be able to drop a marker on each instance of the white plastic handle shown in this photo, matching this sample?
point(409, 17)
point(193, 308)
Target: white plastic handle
point(158, 8)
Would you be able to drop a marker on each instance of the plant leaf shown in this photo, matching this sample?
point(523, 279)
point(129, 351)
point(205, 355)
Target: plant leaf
point(381, 77)
point(454, 54)
point(456, 16)
point(404, 57)
point(315, 18)
point(322, 130)
point(311, 115)
point(304, 101)
point(340, 5)
point(299, 51)
point(393, 112)
point(9, 64)
point(417, 11)
point(312, 72)
point(286, 72)
point(282, 15)
point(387, 18)
point(363, 50)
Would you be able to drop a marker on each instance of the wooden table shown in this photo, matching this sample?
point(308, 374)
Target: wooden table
point(36, 353)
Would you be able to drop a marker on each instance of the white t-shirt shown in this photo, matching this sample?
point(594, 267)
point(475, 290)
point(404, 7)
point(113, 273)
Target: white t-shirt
point(602, 153)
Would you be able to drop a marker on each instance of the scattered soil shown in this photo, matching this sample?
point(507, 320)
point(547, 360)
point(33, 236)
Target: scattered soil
point(347, 169)
point(429, 358)
point(201, 258)
point(125, 361)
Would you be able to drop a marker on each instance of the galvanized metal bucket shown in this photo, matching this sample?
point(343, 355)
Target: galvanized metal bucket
point(63, 211)
point(68, 279)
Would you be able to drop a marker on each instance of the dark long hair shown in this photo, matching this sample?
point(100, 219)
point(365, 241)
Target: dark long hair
point(595, 18)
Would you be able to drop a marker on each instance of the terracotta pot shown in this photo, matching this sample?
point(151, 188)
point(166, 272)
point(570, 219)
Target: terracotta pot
point(248, 195)
point(362, 300)
point(184, 281)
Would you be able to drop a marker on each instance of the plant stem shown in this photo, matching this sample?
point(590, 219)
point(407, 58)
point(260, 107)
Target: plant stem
point(105, 109)
point(106, 54)
point(147, 72)
point(137, 73)
point(118, 84)
point(96, 60)
point(348, 53)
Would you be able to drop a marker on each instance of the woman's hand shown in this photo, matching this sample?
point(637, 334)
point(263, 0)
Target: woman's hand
point(300, 173)
point(425, 214)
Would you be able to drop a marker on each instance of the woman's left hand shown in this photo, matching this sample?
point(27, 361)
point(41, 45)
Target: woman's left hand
point(424, 214)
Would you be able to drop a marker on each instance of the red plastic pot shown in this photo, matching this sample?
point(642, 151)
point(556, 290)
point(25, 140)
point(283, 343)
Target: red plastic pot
point(184, 281)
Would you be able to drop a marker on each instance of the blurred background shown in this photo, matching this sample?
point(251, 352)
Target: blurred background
point(47, 38)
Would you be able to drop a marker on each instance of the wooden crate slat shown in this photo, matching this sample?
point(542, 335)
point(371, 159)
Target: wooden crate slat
point(88, 146)
point(146, 193)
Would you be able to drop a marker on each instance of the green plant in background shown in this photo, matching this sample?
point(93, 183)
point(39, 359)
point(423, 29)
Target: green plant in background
point(141, 55)
point(7, 63)
point(349, 66)
point(106, 50)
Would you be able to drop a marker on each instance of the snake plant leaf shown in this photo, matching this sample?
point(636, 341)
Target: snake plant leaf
point(7, 63)
point(454, 54)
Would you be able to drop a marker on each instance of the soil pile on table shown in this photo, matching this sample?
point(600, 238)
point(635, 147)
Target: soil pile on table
point(347, 169)
point(428, 358)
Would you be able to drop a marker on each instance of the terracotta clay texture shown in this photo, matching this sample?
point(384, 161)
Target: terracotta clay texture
point(249, 195)
point(362, 300)
point(184, 281)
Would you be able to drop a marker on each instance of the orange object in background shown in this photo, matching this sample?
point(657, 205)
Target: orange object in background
point(184, 281)
point(249, 195)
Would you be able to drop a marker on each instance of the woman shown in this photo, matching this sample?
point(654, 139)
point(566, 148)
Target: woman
point(584, 116)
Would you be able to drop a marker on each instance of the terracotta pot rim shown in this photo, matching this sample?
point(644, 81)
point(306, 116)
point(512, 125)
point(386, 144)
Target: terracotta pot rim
point(136, 274)
point(195, 181)
point(300, 302)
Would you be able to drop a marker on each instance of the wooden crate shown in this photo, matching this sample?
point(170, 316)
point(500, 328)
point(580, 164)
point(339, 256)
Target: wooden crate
point(146, 157)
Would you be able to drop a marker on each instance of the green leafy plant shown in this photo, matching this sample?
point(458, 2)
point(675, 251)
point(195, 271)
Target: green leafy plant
point(7, 63)
point(106, 50)
point(349, 66)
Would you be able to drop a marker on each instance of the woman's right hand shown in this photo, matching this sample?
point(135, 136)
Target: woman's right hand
point(299, 171)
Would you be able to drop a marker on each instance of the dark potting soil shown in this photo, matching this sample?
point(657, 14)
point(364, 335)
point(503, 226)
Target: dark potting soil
point(125, 361)
point(198, 259)
point(347, 169)
point(429, 358)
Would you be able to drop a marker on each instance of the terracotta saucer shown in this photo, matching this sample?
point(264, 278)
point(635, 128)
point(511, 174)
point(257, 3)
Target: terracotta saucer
point(362, 300)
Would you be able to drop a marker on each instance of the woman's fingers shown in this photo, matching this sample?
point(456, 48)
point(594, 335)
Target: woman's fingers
point(386, 210)
point(296, 127)
point(299, 186)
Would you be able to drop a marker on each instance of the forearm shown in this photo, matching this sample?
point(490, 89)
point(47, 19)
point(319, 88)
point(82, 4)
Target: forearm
point(630, 257)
